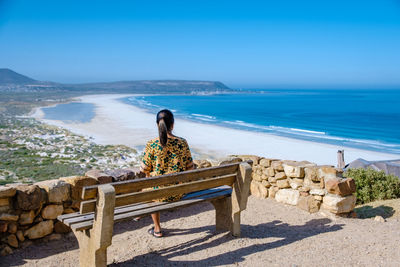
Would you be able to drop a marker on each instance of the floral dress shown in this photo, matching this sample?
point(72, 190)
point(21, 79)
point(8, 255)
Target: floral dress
point(174, 157)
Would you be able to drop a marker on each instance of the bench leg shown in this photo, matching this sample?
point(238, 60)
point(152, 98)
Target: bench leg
point(93, 243)
point(225, 220)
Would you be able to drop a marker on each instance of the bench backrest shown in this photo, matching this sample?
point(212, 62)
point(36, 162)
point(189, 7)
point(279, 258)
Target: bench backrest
point(129, 192)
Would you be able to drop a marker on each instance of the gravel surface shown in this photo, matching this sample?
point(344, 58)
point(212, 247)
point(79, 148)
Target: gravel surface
point(272, 235)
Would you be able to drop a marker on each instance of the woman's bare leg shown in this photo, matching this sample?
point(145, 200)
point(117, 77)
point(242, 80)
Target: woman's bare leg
point(156, 221)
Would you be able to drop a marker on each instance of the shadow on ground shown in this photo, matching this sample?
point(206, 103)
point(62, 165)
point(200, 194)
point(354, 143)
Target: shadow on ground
point(276, 229)
point(368, 211)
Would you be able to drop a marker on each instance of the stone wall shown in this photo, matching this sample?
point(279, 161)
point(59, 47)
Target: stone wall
point(29, 212)
point(303, 184)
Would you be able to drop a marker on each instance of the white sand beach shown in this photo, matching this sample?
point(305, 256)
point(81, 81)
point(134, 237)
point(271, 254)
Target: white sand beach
point(119, 123)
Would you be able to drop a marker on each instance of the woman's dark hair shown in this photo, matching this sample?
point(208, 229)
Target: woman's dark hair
point(165, 121)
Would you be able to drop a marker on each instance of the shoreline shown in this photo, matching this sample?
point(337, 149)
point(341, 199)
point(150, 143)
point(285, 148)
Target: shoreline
point(116, 122)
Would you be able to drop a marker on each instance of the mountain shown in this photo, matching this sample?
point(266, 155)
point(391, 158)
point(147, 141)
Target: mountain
point(8, 76)
point(11, 81)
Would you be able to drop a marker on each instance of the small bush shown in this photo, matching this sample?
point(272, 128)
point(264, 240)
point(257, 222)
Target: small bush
point(374, 185)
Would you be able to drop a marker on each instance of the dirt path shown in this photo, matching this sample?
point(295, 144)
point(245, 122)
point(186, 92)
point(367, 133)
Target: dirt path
point(272, 235)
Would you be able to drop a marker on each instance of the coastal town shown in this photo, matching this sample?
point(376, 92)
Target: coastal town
point(32, 151)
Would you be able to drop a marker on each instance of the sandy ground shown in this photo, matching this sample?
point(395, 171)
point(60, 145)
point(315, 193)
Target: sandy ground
point(272, 235)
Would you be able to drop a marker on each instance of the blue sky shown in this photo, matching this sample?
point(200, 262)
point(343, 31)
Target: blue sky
point(245, 44)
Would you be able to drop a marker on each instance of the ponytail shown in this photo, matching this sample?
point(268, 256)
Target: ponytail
point(165, 122)
point(162, 132)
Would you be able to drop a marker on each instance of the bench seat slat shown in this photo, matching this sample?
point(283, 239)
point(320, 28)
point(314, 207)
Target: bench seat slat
point(182, 203)
point(67, 219)
point(122, 187)
point(126, 199)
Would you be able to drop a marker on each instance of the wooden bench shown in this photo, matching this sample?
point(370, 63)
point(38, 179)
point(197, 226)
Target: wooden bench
point(226, 187)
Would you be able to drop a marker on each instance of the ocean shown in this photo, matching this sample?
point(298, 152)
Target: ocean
point(365, 119)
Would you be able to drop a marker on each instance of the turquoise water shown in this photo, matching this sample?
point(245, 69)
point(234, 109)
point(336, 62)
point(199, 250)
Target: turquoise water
point(71, 112)
point(366, 119)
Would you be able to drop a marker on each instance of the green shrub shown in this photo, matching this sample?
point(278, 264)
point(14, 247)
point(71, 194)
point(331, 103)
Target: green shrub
point(374, 185)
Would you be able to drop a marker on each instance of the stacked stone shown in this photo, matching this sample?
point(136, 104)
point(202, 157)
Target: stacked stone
point(29, 212)
point(303, 184)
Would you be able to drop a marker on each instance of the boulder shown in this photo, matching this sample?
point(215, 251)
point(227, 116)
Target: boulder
point(100, 176)
point(7, 191)
point(4, 202)
point(311, 173)
point(269, 171)
point(265, 183)
point(61, 228)
point(288, 196)
point(343, 187)
point(6, 251)
point(20, 236)
point(199, 164)
point(308, 203)
point(265, 162)
point(256, 177)
point(26, 217)
point(280, 175)
point(272, 180)
point(272, 191)
point(12, 227)
point(313, 184)
point(379, 219)
point(293, 169)
point(52, 211)
point(255, 159)
point(57, 190)
point(294, 184)
point(229, 160)
point(77, 183)
point(282, 183)
point(3, 227)
point(30, 197)
point(40, 230)
point(277, 165)
point(337, 204)
point(258, 190)
point(12, 241)
point(8, 217)
point(124, 174)
point(328, 173)
point(318, 192)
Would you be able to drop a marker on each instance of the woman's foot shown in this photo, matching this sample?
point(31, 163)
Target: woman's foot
point(154, 233)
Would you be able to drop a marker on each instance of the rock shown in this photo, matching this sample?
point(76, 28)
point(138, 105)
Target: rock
point(283, 183)
point(61, 228)
point(327, 173)
point(341, 187)
point(337, 204)
point(6, 192)
point(308, 203)
point(57, 190)
point(312, 184)
point(3, 227)
point(319, 192)
point(265, 183)
point(101, 177)
point(269, 172)
point(199, 164)
point(68, 210)
point(304, 194)
point(265, 162)
point(8, 217)
point(253, 158)
point(379, 219)
point(4, 202)
point(29, 197)
point(12, 227)
point(280, 175)
point(26, 244)
point(12, 241)
point(52, 211)
point(256, 177)
point(277, 165)
point(272, 191)
point(27, 217)
point(294, 185)
point(316, 197)
point(20, 236)
point(229, 160)
point(288, 196)
point(311, 173)
point(77, 183)
point(304, 188)
point(53, 237)
point(293, 169)
point(272, 180)
point(6, 251)
point(40, 230)
point(258, 190)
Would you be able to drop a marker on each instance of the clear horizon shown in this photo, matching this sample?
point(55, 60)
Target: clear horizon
point(252, 44)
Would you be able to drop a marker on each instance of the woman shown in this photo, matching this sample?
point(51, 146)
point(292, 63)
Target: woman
point(165, 154)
